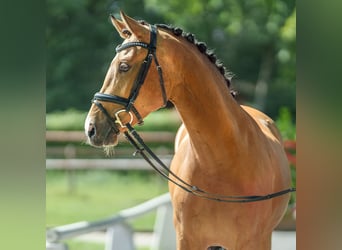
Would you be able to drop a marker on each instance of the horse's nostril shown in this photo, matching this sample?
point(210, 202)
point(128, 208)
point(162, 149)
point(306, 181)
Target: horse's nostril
point(91, 130)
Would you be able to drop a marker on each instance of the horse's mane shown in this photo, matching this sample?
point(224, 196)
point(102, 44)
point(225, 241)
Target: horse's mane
point(202, 47)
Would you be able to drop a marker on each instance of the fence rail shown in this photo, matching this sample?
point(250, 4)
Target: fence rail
point(119, 233)
point(70, 162)
point(79, 136)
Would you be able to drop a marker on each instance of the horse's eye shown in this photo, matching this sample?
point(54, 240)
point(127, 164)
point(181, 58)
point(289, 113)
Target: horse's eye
point(124, 67)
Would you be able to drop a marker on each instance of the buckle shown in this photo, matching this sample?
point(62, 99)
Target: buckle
point(118, 119)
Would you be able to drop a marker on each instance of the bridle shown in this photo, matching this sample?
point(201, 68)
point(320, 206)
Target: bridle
point(136, 141)
point(128, 103)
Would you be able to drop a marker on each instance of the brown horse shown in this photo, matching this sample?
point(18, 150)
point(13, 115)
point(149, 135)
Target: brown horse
point(221, 147)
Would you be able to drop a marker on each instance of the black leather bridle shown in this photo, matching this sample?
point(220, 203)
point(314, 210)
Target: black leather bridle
point(128, 103)
point(136, 141)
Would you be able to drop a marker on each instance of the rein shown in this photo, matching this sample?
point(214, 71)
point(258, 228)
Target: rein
point(138, 143)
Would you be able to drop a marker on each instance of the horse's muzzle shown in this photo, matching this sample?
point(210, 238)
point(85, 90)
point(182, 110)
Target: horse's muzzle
point(100, 135)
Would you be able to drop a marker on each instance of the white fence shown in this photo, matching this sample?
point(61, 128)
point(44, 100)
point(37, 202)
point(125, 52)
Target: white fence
point(119, 235)
point(69, 157)
point(79, 136)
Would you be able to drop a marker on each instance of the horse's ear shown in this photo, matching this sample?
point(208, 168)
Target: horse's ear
point(119, 26)
point(136, 28)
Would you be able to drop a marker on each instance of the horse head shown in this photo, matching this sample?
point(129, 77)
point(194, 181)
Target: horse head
point(133, 86)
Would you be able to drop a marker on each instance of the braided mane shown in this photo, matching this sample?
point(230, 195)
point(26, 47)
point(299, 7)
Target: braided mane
point(202, 47)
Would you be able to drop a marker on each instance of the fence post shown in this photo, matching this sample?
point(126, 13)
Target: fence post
point(69, 153)
point(164, 233)
point(119, 237)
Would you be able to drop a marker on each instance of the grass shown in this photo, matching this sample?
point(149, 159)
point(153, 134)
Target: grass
point(96, 194)
point(79, 245)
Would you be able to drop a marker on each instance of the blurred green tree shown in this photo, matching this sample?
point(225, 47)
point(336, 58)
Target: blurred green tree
point(255, 40)
point(80, 45)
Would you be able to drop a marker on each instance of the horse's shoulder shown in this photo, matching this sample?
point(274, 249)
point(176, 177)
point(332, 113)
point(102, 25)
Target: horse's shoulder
point(264, 121)
point(180, 136)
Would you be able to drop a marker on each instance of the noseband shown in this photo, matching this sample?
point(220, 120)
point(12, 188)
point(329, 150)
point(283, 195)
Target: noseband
point(136, 141)
point(128, 103)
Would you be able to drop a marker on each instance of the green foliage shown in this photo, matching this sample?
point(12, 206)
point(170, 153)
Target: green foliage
point(245, 35)
point(71, 119)
point(285, 124)
point(162, 120)
point(287, 129)
point(80, 46)
point(293, 197)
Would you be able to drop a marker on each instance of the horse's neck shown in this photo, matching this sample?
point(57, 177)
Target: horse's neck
point(212, 117)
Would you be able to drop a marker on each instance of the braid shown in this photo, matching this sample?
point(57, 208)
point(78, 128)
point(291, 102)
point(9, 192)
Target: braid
point(202, 47)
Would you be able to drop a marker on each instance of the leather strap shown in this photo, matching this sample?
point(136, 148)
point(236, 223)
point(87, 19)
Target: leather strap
point(136, 141)
point(128, 103)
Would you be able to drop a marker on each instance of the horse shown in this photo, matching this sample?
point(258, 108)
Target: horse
point(222, 147)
